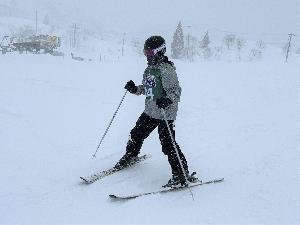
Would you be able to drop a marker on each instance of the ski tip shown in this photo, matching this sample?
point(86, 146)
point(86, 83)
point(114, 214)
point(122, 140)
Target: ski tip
point(113, 196)
point(85, 181)
point(218, 180)
point(147, 156)
point(122, 198)
point(116, 198)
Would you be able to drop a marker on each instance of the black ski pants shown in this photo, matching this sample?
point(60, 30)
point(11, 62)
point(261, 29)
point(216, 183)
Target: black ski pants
point(144, 126)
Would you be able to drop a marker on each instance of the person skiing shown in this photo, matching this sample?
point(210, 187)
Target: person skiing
point(161, 86)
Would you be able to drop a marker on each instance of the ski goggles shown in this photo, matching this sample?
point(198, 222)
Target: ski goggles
point(152, 52)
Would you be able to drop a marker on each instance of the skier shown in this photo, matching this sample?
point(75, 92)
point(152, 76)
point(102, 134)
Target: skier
point(161, 87)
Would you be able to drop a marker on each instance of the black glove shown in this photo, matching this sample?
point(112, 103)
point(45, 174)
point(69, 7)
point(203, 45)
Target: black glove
point(163, 103)
point(130, 86)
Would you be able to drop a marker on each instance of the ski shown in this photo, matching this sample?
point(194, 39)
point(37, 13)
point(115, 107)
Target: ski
point(166, 190)
point(100, 175)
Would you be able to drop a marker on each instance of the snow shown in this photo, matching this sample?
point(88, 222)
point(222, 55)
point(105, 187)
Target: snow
point(237, 119)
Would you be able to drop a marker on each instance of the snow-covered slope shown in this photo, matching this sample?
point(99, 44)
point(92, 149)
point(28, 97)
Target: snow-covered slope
point(237, 120)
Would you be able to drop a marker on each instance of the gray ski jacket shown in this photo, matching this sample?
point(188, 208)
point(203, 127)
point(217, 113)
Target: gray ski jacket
point(171, 87)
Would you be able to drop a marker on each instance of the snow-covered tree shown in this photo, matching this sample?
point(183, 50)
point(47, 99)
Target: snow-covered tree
point(207, 53)
point(177, 44)
point(205, 42)
point(46, 20)
point(218, 51)
point(261, 45)
point(25, 31)
point(229, 40)
point(240, 43)
point(255, 54)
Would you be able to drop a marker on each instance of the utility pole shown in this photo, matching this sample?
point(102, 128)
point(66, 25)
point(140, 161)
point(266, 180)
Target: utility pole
point(123, 44)
point(288, 46)
point(75, 29)
point(75, 35)
point(36, 22)
point(188, 42)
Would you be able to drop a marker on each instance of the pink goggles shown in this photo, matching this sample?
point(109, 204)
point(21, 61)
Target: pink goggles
point(152, 52)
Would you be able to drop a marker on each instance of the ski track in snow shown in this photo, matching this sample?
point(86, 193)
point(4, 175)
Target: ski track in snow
point(237, 120)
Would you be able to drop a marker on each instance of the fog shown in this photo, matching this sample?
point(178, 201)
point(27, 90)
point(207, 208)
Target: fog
point(270, 21)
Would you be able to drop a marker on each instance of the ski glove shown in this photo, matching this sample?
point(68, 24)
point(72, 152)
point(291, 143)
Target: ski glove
point(130, 86)
point(163, 103)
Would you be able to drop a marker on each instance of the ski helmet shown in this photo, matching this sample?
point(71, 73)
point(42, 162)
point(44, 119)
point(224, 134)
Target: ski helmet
point(154, 44)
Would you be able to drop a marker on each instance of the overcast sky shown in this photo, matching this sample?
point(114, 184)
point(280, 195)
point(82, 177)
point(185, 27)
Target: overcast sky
point(271, 20)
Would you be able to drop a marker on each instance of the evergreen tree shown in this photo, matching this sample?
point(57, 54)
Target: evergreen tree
point(177, 45)
point(46, 20)
point(205, 41)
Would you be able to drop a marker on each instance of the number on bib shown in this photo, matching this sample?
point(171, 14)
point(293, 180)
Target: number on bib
point(149, 93)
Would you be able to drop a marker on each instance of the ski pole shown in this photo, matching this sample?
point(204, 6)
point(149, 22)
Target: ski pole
point(177, 152)
point(94, 156)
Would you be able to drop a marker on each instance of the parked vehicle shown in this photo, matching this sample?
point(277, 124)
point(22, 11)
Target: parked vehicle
point(35, 44)
point(5, 45)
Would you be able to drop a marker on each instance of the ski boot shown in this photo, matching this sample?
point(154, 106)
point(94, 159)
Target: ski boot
point(125, 161)
point(179, 180)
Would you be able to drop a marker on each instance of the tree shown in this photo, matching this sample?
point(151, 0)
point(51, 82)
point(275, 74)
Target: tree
point(177, 45)
point(257, 53)
point(261, 45)
point(240, 43)
point(207, 53)
point(190, 50)
point(205, 41)
point(46, 20)
point(229, 40)
point(218, 51)
point(25, 31)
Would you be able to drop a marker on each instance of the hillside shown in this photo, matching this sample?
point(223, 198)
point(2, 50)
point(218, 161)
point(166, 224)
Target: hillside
point(237, 119)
